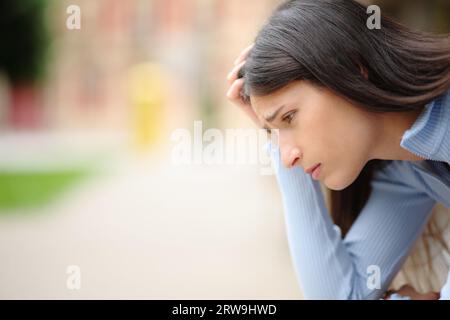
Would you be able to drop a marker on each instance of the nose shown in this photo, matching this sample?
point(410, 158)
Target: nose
point(290, 153)
point(290, 156)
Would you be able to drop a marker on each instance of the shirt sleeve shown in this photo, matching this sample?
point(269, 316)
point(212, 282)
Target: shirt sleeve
point(363, 264)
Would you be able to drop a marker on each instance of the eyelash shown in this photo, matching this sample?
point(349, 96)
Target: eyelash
point(289, 117)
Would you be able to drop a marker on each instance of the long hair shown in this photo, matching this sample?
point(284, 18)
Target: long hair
point(328, 43)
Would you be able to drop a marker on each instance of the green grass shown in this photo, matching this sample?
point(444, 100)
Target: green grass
point(32, 189)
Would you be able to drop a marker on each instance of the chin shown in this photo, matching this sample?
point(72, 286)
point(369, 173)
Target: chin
point(335, 186)
point(338, 183)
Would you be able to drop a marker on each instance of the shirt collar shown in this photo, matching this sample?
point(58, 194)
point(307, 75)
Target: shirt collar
point(429, 136)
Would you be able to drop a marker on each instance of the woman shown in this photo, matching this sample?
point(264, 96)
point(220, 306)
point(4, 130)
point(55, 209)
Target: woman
point(365, 112)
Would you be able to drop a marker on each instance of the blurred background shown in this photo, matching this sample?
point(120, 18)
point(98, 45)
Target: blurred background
point(86, 176)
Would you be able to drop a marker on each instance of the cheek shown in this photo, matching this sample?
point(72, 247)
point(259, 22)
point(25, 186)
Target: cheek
point(338, 138)
point(344, 150)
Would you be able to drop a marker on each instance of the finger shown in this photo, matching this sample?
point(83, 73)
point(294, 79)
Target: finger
point(408, 290)
point(430, 296)
point(234, 91)
point(233, 74)
point(243, 55)
point(234, 95)
point(406, 287)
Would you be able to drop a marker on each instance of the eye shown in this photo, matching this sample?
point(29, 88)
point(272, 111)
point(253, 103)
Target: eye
point(289, 116)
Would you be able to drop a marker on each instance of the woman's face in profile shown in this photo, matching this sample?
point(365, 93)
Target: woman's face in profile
point(317, 126)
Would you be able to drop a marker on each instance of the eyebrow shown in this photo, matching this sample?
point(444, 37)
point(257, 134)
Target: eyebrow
point(271, 117)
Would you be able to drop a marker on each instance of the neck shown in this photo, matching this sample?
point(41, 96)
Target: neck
point(390, 129)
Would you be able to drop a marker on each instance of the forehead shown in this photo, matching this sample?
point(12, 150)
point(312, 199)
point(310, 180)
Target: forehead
point(263, 105)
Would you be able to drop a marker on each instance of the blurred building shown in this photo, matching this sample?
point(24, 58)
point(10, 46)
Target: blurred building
point(195, 41)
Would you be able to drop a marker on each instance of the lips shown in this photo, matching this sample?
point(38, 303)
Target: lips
point(311, 169)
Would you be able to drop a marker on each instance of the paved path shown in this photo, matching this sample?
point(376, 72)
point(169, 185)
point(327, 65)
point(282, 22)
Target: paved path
point(146, 229)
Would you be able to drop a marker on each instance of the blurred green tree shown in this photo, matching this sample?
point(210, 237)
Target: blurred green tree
point(24, 39)
point(24, 48)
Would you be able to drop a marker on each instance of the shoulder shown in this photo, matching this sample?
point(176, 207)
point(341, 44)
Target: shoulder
point(394, 170)
point(414, 177)
point(407, 174)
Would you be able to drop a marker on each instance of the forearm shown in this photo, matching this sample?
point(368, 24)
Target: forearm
point(328, 267)
point(322, 264)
